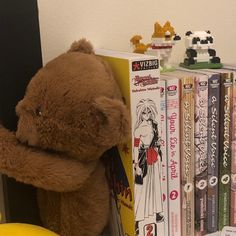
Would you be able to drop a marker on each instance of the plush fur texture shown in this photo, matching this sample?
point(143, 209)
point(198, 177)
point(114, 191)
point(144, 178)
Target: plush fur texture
point(71, 114)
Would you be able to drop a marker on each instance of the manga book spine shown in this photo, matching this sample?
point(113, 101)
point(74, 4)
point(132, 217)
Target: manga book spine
point(187, 155)
point(149, 205)
point(173, 149)
point(213, 152)
point(163, 127)
point(200, 144)
point(233, 161)
point(225, 150)
point(135, 205)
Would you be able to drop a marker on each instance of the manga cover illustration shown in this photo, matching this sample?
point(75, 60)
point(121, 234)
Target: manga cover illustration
point(147, 164)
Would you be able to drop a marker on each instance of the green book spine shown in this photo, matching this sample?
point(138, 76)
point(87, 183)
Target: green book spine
point(225, 149)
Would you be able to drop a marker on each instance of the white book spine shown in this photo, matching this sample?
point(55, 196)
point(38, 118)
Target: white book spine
point(173, 149)
point(146, 142)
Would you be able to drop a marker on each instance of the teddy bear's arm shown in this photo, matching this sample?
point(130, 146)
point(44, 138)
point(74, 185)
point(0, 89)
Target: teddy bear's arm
point(41, 169)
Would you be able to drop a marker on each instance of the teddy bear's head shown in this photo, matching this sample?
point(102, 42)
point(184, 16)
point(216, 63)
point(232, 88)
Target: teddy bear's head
point(73, 105)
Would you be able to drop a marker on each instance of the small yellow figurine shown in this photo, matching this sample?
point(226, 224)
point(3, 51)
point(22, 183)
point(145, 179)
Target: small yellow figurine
point(139, 47)
point(163, 39)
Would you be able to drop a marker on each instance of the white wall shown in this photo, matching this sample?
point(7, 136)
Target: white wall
point(111, 23)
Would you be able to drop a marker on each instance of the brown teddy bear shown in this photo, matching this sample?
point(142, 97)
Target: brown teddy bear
point(71, 114)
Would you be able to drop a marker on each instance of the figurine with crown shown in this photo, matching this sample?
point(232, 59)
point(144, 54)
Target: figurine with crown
point(162, 42)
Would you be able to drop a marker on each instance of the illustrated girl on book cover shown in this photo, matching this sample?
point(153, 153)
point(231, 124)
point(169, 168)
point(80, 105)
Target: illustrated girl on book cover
point(147, 164)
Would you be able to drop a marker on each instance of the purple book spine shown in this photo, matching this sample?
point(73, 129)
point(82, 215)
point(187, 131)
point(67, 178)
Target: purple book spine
point(213, 152)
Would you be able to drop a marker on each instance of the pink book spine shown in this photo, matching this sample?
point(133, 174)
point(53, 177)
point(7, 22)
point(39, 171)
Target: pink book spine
point(173, 148)
point(163, 114)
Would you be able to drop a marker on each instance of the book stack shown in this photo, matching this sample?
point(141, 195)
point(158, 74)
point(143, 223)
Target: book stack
point(177, 174)
point(211, 165)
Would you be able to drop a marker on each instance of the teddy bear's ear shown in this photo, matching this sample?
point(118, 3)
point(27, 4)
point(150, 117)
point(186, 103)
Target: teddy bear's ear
point(83, 46)
point(114, 121)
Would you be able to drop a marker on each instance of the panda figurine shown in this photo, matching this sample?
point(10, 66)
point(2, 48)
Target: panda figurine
point(199, 51)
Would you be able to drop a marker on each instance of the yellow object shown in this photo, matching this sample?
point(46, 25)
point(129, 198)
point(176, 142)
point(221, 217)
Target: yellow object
point(16, 229)
point(136, 39)
point(167, 27)
point(160, 32)
point(140, 48)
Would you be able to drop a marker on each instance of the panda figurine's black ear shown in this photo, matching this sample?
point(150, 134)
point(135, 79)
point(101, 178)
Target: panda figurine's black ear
point(188, 33)
point(208, 31)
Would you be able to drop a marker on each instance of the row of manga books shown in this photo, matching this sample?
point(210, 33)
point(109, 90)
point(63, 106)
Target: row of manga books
point(175, 176)
point(204, 103)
